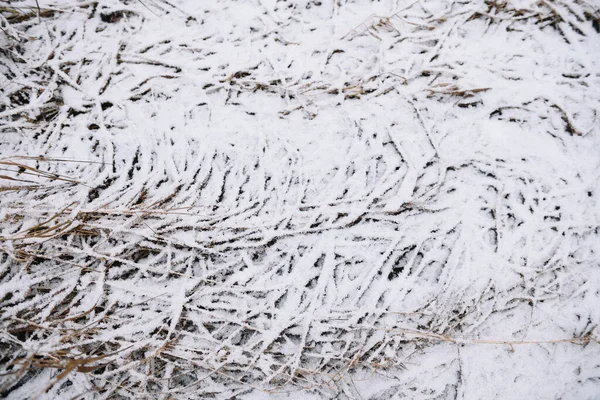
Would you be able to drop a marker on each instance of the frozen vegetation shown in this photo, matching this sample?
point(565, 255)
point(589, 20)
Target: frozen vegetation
point(300, 199)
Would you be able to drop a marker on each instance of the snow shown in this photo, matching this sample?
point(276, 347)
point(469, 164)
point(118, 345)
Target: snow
point(310, 199)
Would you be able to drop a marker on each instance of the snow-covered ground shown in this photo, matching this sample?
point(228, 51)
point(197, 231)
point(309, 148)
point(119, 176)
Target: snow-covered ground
point(300, 199)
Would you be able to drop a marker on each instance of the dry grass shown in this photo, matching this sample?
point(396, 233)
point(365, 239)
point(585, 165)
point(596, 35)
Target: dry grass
point(75, 262)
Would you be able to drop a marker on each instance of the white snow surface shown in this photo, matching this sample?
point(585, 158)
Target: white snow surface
point(300, 199)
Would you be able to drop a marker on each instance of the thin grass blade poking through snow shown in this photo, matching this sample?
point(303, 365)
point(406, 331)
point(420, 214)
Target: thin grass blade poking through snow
point(359, 199)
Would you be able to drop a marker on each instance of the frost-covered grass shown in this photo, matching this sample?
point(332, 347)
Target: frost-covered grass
point(308, 198)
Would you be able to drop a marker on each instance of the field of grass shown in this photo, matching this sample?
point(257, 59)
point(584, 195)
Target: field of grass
point(299, 199)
